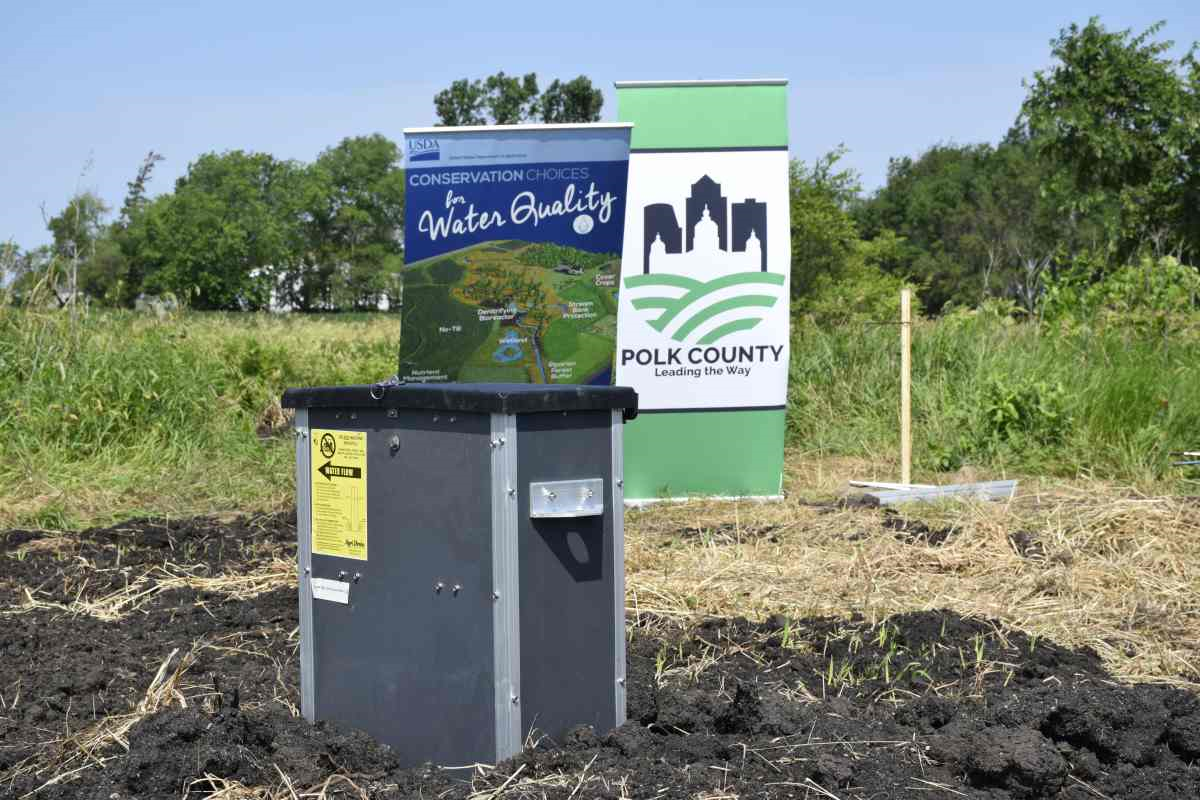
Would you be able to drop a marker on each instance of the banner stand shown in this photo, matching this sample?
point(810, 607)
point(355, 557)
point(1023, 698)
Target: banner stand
point(512, 253)
point(703, 329)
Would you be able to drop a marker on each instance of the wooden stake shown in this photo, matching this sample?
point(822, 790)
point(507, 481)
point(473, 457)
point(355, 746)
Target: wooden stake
point(906, 386)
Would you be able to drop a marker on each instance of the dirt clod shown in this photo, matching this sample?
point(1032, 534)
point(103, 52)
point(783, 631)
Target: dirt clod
point(911, 531)
point(1027, 544)
point(1020, 760)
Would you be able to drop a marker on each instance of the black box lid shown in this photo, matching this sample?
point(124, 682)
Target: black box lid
point(494, 398)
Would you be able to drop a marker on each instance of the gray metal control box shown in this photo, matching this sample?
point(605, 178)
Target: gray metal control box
point(461, 559)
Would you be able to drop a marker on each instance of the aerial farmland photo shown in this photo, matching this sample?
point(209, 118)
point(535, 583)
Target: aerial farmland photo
point(640, 402)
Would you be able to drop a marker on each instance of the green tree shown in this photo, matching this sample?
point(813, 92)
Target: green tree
point(126, 273)
point(355, 196)
point(229, 229)
point(574, 101)
point(146, 243)
point(1018, 238)
point(1123, 118)
point(509, 99)
point(77, 231)
point(135, 195)
point(974, 220)
point(29, 269)
point(461, 103)
point(824, 235)
point(864, 287)
point(10, 261)
point(931, 201)
point(503, 99)
point(77, 227)
point(102, 275)
point(499, 99)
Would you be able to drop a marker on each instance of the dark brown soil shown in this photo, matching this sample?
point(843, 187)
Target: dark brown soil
point(925, 705)
point(911, 531)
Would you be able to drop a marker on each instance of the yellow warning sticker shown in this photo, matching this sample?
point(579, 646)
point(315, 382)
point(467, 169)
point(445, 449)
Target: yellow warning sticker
point(339, 493)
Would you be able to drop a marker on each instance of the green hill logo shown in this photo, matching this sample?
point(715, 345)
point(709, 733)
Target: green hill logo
point(688, 301)
point(706, 279)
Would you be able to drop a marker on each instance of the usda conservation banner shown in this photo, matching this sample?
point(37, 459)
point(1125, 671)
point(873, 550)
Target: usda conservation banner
point(703, 322)
point(512, 247)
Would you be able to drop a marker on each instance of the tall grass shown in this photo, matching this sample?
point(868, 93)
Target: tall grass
point(1001, 396)
point(118, 414)
point(122, 413)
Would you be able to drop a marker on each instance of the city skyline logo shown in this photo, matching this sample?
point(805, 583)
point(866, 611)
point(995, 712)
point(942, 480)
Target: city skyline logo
point(706, 279)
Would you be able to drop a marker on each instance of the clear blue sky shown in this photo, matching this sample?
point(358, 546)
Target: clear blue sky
point(109, 81)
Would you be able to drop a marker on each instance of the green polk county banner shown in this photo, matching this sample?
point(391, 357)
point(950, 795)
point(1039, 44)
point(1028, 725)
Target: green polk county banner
point(702, 327)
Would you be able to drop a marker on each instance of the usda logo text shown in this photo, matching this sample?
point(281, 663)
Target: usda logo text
point(424, 149)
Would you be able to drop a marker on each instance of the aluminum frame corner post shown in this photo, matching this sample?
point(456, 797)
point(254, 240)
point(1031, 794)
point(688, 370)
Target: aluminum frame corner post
point(506, 612)
point(308, 706)
point(618, 557)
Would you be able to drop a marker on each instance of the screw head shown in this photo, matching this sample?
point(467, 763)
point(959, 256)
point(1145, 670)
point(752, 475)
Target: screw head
point(437, 587)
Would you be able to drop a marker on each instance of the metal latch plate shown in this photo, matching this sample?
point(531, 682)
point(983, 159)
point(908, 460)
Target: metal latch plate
point(562, 499)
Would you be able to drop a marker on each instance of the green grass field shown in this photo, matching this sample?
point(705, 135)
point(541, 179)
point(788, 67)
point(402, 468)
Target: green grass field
point(123, 414)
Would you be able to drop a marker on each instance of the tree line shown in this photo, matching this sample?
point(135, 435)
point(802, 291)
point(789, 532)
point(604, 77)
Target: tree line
point(247, 231)
point(1097, 179)
point(238, 230)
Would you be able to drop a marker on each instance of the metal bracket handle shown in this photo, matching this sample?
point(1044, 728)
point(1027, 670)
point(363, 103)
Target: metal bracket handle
point(566, 499)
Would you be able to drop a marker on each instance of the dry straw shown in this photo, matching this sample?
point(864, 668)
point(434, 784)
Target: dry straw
point(95, 746)
point(274, 574)
point(217, 788)
point(1081, 565)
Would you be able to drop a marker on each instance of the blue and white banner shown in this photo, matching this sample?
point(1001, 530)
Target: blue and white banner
point(513, 240)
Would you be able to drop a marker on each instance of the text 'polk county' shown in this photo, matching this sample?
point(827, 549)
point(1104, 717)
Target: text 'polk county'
point(731, 354)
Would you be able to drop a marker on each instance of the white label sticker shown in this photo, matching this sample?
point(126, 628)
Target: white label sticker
point(331, 590)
